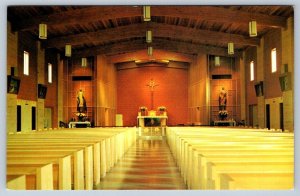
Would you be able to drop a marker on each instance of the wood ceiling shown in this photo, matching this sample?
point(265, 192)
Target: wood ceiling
point(119, 29)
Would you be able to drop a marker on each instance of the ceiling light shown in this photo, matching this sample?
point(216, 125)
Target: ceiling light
point(150, 51)
point(149, 36)
point(83, 62)
point(230, 48)
point(42, 31)
point(217, 61)
point(68, 50)
point(147, 15)
point(252, 29)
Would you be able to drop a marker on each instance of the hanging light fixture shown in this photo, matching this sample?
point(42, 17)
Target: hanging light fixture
point(68, 50)
point(217, 61)
point(150, 51)
point(42, 31)
point(252, 28)
point(149, 36)
point(83, 62)
point(147, 15)
point(230, 48)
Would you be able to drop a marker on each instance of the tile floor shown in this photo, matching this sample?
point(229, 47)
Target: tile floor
point(148, 165)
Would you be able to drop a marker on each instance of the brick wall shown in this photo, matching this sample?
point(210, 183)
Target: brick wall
point(28, 86)
point(133, 92)
point(51, 97)
point(271, 82)
point(250, 55)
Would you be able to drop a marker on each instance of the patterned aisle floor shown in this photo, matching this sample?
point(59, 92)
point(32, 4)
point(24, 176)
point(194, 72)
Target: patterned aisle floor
point(148, 165)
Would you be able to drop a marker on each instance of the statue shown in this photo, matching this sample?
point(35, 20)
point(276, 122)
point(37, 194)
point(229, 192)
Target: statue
point(222, 99)
point(81, 103)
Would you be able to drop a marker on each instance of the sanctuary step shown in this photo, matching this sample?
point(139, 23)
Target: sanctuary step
point(148, 165)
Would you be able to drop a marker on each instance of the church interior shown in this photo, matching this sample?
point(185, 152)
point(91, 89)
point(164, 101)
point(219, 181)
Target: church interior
point(150, 97)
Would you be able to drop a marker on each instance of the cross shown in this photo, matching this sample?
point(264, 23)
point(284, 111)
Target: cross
point(151, 86)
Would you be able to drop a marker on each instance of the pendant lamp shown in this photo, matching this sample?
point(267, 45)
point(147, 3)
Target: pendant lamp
point(146, 15)
point(68, 50)
point(230, 48)
point(83, 62)
point(149, 36)
point(252, 29)
point(150, 51)
point(217, 61)
point(42, 31)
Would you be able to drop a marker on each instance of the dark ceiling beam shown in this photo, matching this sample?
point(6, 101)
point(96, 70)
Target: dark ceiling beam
point(174, 46)
point(79, 16)
point(158, 30)
point(219, 14)
point(94, 13)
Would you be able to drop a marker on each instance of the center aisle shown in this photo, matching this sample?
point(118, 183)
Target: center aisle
point(148, 165)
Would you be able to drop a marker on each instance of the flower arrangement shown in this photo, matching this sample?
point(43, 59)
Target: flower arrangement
point(162, 108)
point(143, 108)
point(81, 116)
point(223, 114)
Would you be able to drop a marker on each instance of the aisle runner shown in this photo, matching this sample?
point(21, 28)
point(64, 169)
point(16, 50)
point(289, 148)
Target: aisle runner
point(148, 165)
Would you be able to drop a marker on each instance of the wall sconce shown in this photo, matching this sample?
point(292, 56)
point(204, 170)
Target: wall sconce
point(149, 36)
point(252, 29)
point(147, 15)
point(83, 62)
point(217, 61)
point(68, 50)
point(42, 31)
point(230, 48)
point(150, 51)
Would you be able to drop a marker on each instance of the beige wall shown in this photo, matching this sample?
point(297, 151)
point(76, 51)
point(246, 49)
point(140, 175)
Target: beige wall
point(274, 112)
point(26, 117)
point(288, 58)
point(41, 80)
point(12, 56)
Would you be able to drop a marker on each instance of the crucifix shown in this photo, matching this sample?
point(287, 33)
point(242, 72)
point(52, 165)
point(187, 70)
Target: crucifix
point(151, 86)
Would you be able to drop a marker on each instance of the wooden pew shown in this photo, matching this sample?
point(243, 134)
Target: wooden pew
point(111, 150)
point(37, 178)
point(215, 168)
point(61, 169)
point(16, 182)
point(188, 146)
point(274, 180)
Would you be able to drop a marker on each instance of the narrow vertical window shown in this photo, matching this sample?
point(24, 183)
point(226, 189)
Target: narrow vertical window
point(274, 63)
point(251, 71)
point(26, 63)
point(49, 73)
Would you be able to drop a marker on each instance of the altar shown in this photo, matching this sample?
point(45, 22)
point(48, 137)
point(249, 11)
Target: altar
point(149, 121)
point(224, 123)
point(84, 124)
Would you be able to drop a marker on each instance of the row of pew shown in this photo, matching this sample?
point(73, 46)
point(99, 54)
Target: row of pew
point(233, 158)
point(64, 159)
